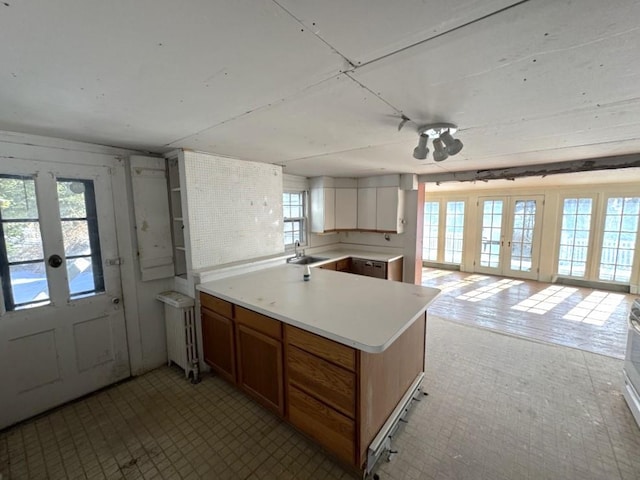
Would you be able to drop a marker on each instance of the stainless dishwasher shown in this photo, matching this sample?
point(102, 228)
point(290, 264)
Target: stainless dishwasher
point(369, 268)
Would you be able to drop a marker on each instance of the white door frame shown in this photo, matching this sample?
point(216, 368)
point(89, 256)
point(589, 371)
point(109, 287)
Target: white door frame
point(505, 245)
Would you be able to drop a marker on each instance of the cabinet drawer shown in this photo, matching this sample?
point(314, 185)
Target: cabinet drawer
point(322, 347)
point(334, 431)
point(332, 384)
point(216, 305)
point(261, 323)
point(343, 265)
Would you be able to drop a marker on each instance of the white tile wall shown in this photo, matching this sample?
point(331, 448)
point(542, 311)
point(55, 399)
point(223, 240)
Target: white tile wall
point(235, 209)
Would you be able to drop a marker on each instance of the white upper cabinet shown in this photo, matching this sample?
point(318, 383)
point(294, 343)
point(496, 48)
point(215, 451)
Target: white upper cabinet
point(346, 208)
point(323, 205)
point(389, 209)
point(381, 204)
point(367, 208)
point(372, 203)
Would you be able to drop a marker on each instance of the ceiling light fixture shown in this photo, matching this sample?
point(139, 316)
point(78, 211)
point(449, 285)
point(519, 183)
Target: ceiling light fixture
point(444, 144)
point(440, 151)
point(421, 151)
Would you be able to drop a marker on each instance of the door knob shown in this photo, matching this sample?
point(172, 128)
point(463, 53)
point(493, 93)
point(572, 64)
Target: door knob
point(115, 301)
point(55, 261)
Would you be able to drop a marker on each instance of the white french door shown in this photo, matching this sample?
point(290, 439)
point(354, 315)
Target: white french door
point(62, 328)
point(510, 235)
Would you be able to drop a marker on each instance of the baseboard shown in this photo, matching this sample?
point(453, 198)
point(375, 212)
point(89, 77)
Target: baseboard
point(577, 282)
point(442, 266)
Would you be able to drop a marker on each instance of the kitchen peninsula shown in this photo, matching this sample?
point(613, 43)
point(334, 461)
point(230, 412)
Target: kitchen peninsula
point(336, 356)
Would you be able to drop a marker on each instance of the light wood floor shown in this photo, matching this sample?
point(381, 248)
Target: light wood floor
point(583, 318)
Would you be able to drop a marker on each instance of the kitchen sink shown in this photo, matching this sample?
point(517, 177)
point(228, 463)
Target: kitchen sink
point(305, 260)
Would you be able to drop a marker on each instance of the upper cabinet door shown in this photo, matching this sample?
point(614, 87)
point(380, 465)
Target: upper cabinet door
point(367, 208)
point(387, 209)
point(346, 208)
point(323, 205)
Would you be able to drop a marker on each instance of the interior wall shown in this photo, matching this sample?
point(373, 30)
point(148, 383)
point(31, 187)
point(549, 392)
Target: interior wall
point(234, 209)
point(551, 220)
point(143, 314)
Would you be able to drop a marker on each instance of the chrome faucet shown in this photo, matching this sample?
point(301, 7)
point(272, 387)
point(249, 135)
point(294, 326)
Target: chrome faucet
point(295, 249)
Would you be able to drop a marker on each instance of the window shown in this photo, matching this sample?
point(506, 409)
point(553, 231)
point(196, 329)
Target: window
point(454, 231)
point(574, 237)
point(430, 235)
point(619, 238)
point(80, 234)
point(294, 212)
point(24, 275)
point(25, 282)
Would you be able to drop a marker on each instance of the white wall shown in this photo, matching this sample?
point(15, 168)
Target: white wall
point(143, 314)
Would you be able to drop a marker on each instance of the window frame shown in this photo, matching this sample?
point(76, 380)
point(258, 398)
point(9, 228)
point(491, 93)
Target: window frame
point(602, 219)
point(304, 220)
point(591, 246)
point(7, 300)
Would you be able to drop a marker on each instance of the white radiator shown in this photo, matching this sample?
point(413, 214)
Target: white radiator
point(180, 324)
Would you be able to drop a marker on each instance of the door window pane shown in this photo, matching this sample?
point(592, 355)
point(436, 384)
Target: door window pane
point(81, 277)
point(75, 234)
point(79, 223)
point(24, 279)
point(524, 219)
point(454, 231)
point(491, 233)
point(23, 241)
point(619, 239)
point(430, 231)
point(29, 285)
point(574, 237)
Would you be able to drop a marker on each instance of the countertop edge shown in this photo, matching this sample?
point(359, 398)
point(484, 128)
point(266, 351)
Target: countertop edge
point(318, 331)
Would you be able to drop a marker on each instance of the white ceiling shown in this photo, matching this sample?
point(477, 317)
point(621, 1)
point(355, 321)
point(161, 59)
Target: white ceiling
point(320, 86)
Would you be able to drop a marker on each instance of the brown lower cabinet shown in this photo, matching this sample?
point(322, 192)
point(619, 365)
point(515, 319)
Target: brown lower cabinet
point(218, 344)
point(337, 395)
point(259, 358)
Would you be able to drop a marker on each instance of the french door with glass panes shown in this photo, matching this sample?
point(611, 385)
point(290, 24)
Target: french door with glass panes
point(62, 329)
point(510, 235)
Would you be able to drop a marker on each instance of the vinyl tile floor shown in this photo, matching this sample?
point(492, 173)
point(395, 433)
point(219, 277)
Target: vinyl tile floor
point(499, 407)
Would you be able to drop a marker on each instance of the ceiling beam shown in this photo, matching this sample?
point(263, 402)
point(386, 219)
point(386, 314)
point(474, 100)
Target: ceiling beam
point(540, 170)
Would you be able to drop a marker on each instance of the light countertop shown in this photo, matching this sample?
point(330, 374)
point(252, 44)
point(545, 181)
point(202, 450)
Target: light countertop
point(362, 312)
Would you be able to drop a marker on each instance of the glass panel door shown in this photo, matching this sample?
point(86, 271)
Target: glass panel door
point(510, 236)
point(491, 240)
point(521, 243)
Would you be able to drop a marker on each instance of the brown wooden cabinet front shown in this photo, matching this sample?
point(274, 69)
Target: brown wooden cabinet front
point(218, 344)
point(260, 367)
